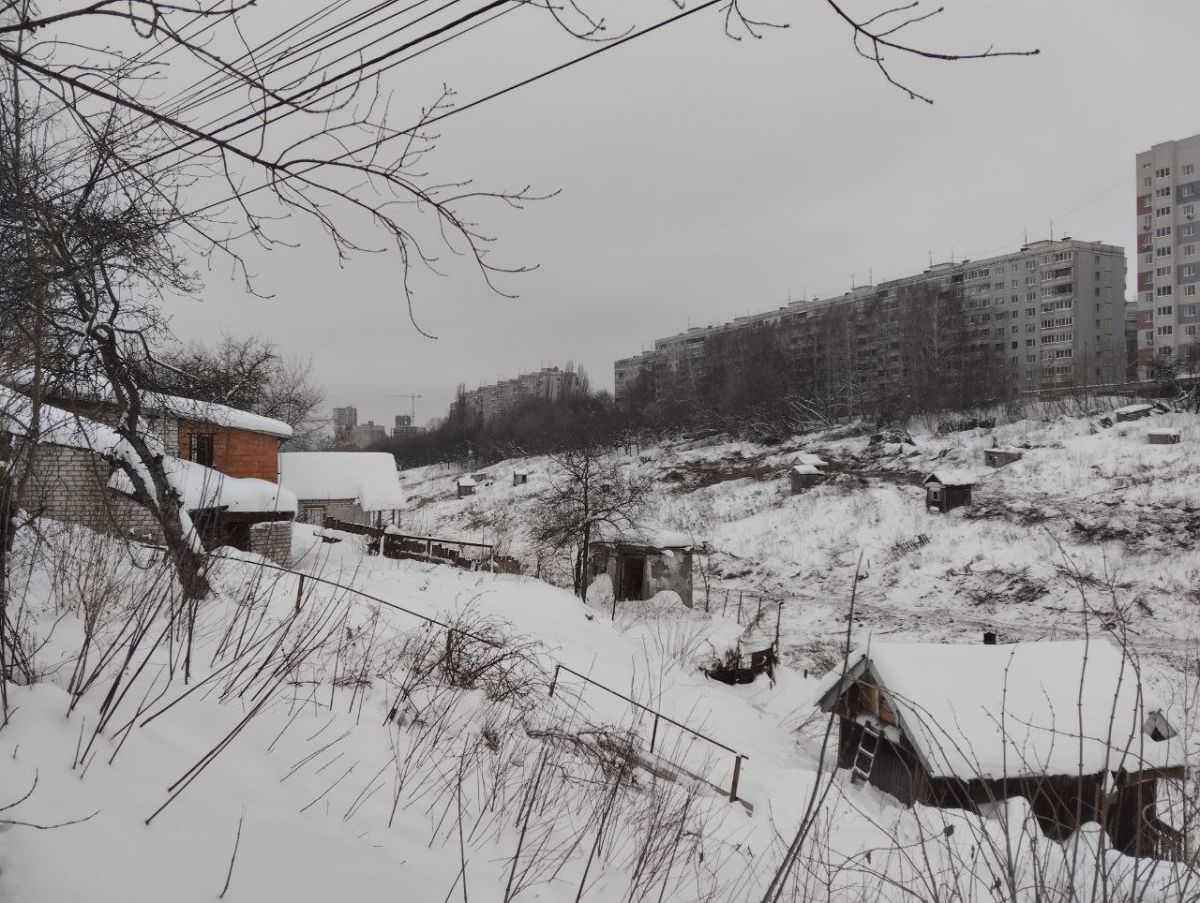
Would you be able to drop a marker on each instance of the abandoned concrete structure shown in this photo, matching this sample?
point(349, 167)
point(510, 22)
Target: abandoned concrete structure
point(946, 489)
point(644, 562)
point(1066, 725)
point(520, 477)
point(1163, 437)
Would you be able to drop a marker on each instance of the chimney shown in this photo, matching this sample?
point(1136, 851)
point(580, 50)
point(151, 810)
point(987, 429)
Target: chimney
point(989, 638)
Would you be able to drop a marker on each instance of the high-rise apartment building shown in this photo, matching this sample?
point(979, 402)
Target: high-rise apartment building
point(364, 435)
point(549, 384)
point(404, 428)
point(344, 420)
point(1168, 266)
point(1053, 312)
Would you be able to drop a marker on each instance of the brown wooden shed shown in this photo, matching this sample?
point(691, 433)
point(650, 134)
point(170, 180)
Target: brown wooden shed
point(946, 489)
point(1066, 725)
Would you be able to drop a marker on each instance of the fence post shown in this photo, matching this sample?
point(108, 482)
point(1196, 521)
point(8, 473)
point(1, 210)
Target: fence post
point(726, 604)
point(737, 774)
point(554, 680)
point(739, 615)
point(654, 733)
point(299, 593)
point(778, 618)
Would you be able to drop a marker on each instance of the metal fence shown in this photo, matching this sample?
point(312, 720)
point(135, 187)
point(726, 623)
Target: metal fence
point(469, 556)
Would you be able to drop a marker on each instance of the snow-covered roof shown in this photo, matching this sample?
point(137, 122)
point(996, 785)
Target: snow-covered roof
point(647, 535)
point(521, 472)
point(218, 414)
point(1163, 432)
point(202, 487)
point(952, 477)
point(810, 459)
point(370, 478)
point(1042, 708)
point(807, 469)
point(467, 480)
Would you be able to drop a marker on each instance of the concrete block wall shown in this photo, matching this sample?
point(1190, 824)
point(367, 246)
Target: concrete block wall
point(272, 540)
point(71, 484)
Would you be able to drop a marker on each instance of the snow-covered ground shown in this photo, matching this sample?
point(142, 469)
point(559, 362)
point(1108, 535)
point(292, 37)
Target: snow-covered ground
point(349, 747)
point(1090, 516)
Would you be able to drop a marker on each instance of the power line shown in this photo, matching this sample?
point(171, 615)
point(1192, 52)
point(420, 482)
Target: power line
point(487, 98)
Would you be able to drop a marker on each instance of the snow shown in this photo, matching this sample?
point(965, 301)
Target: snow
point(218, 414)
point(370, 478)
point(202, 487)
point(810, 460)
point(1134, 409)
point(1050, 708)
point(953, 477)
point(467, 481)
point(1163, 432)
point(649, 535)
point(806, 469)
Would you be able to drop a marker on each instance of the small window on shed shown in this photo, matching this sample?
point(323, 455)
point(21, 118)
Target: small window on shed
point(201, 450)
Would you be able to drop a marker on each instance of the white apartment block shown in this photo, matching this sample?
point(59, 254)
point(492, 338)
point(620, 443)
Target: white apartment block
point(1054, 311)
point(1168, 266)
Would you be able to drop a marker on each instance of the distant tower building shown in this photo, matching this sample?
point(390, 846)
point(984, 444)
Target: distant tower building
point(344, 420)
point(1168, 267)
point(404, 428)
point(364, 435)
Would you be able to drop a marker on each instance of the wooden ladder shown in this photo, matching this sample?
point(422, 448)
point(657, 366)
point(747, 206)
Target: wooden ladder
point(864, 758)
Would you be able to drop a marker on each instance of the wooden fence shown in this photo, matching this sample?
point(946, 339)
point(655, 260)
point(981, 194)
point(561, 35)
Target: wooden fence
point(469, 556)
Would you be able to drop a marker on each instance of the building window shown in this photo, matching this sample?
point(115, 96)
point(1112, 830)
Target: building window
point(1187, 169)
point(1165, 311)
point(1189, 330)
point(1189, 291)
point(1164, 330)
point(1163, 193)
point(1187, 191)
point(1188, 270)
point(1163, 211)
point(200, 449)
point(1163, 231)
point(1162, 252)
point(1163, 290)
point(1162, 173)
point(1189, 250)
point(1162, 271)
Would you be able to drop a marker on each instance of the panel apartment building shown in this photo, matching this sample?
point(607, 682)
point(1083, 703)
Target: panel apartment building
point(1168, 267)
point(549, 384)
point(1054, 311)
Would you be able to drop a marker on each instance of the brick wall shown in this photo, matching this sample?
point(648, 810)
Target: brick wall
point(272, 540)
point(236, 453)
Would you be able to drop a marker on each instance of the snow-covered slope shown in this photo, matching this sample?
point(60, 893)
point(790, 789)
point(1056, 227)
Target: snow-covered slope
point(1090, 517)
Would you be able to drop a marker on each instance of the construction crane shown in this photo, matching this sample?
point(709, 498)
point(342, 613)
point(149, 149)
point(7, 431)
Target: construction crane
point(412, 397)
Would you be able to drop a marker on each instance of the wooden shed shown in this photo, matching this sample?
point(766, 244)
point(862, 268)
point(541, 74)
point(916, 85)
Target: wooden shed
point(1066, 725)
point(1001, 455)
point(805, 476)
point(946, 489)
point(520, 477)
point(644, 562)
point(465, 486)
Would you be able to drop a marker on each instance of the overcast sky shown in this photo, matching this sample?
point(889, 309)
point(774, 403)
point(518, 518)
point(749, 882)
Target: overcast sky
point(701, 178)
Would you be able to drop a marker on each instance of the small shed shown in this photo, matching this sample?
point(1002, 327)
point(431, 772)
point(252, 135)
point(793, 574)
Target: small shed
point(754, 654)
point(1067, 725)
point(644, 562)
point(1133, 412)
point(1002, 455)
point(946, 489)
point(353, 487)
point(1163, 437)
point(805, 476)
point(465, 485)
point(520, 477)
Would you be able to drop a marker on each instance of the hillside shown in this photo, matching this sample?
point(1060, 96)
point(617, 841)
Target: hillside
point(1088, 510)
point(398, 730)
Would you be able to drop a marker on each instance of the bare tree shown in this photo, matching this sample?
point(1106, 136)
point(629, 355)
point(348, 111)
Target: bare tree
point(589, 492)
